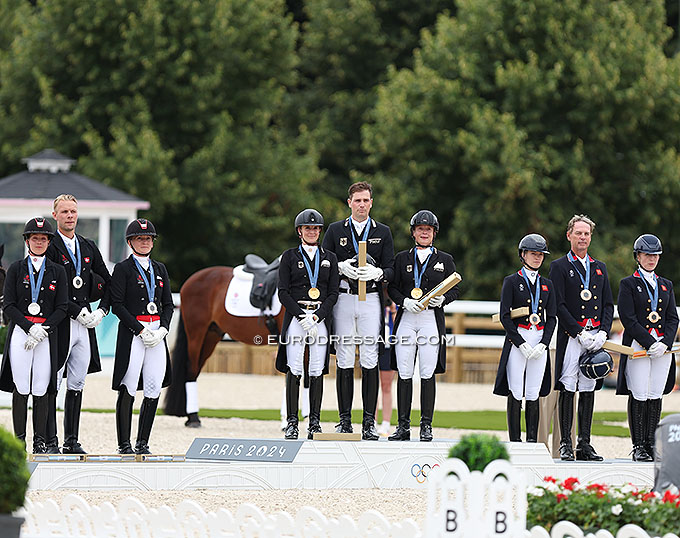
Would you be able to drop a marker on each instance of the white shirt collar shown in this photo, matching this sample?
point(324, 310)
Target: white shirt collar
point(648, 276)
point(143, 260)
point(69, 241)
point(531, 275)
point(423, 253)
point(310, 250)
point(582, 260)
point(358, 226)
point(37, 261)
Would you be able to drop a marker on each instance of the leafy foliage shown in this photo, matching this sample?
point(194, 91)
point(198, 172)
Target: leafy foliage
point(478, 450)
point(598, 506)
point(14, 473)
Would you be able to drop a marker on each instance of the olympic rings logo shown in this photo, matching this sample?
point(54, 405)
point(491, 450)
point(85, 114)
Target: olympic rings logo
point(421, 472)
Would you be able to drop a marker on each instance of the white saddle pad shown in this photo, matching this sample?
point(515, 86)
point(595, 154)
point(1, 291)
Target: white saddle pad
point(237, 300)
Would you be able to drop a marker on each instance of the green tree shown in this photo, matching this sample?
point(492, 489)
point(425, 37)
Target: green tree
point(516, 115)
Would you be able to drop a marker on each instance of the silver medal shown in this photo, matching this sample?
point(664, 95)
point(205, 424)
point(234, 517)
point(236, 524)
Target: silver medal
point(34, 309)
point(151, 308)
point(77, 282)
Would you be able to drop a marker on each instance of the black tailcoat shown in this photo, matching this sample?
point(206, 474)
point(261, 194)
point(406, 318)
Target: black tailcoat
point(91, 262)
point(52, 299)
point(515, 294)
point(572, 311)
point(293, 287)
point(129, 298)
point(439, 267)
point(634, 307)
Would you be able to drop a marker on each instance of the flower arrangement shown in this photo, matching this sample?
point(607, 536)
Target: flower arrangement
point(477, 450)
point(599, 506)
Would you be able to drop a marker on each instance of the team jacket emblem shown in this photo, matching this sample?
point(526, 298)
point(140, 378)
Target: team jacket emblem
point(86, 259)
point(439, 266)
point(374, 241)
point(571, 273)
point(343, 241)
point(663, 287)
point(521, 287)
point(52, 287)
point(409, 268)
point(598, 271)
point(325, 263)
point(544, 287)
point(639, 289)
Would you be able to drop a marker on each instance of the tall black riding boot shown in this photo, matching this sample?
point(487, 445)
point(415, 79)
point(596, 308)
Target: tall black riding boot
point(566, 413)
point(652, 417)
point(514, 415)
point(72, 403)
point(292, 397)
point(52, 441)
point(584, 450)
point(404, 397)
point(370, 378)
point(315, 395)
point(124, 405)
point(636, 423)
point(344, 384)
point(428, 389)
point(39, 424)
point(19, 415)
point(531, 414)
point(147, 414)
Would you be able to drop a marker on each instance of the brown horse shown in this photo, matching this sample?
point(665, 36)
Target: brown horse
point(202, 324)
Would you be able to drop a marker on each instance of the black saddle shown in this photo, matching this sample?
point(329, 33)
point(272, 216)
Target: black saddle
point(265, 279)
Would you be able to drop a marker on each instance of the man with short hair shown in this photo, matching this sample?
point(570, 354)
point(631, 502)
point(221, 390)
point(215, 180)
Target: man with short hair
point(354, 318)
point(585, 310)
point(78, 354)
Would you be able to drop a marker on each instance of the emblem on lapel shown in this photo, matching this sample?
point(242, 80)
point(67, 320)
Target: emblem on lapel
point(325, 263)
point(663, 287)
point(139, 278)
point(544, 287)
point(52, 287)
point(343, 241)
point(160, 283)
point(86, 259)
point(439, 266)
point(409, 268)
point(598, 271)
point(639, 289)
point(571, 273)
point(25, 278)
point(375, 240)
point(64, 259)
point(301, 265)
point(521, 287)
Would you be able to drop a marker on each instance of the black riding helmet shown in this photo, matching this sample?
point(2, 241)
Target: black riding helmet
point(533, 242)
point(596, 364)
point(425, 217)
point(308, 217)
point(38, 225)
point(140, 227)
point(647, 243)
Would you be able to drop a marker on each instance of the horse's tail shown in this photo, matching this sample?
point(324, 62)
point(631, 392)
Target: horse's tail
point(176, 396)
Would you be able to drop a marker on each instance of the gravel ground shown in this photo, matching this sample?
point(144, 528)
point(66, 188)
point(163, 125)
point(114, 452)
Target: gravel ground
point(169, 436)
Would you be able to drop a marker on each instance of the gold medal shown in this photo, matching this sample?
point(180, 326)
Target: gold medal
point(416, 293)
point(586, 295)
point(654, 316)
point(534, 319)
point(314, 293)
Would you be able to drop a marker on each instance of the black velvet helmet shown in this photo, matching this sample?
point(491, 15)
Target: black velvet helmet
point(140, 227)
point(425, 217)
point(38, 225)
point(308, 217)
point(647, 243)
point(533, 242)
point(596, 364)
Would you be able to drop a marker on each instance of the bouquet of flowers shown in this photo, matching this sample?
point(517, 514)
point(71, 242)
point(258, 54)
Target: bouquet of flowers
point(599, 506)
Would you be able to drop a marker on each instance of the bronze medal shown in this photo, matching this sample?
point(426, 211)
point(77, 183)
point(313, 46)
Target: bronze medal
point(653, 316)
point(314, 293)
point(416, 293)
point(586, 295)
point(151, 308)
point(34, 309)
point(77, 282)
point(534, 319)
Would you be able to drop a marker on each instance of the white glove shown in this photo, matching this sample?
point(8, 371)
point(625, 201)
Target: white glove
point(526, 350)
point(313, 332)
point(307, 322)
point(598, 340)
point(158, 336)
point(586, 339)
point(413, 306)
point(30, 343)
point(96, 318)
point(346, 268)
point(148, 337)
point(38, 332)
point(85, 317)
point(437, 301)
point(537, 351)
point(369, 272)
point(656, 350)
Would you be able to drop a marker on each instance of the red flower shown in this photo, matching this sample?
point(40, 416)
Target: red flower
point(648, 496)
point(669, 497)
point(561, 497)
point(570, 482)
point(549, 479)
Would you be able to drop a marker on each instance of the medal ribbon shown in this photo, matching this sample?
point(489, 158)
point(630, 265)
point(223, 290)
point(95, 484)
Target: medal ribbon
point(75, 258)
point(364, 235)
point(150, 291)
point(313, 277)
point(35, 285)
point(534, 296)
point(417, 277)
point(585, 281)
point(653, 296)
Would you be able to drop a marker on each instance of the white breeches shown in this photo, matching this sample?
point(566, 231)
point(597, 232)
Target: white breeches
point(30, 369)
point(646, 377)
point(354, 318)
point(571, 376)
point(148, 362)
point(526, 377)
point(295, 349)
point(77, 359)
point(417, 333)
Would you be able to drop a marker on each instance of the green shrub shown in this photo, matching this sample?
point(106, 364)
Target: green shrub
point(477, 450)
point(14, 473)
